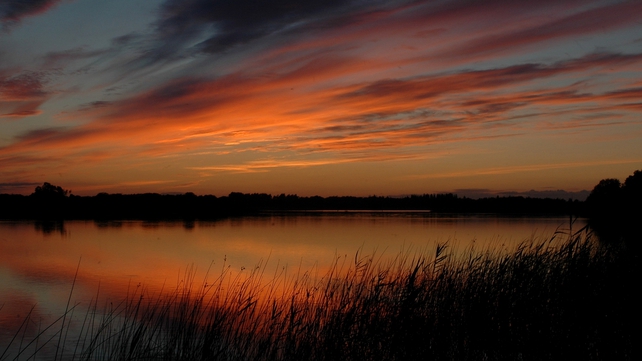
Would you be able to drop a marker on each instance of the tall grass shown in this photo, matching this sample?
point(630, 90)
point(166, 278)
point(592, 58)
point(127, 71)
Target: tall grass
point(544, 300)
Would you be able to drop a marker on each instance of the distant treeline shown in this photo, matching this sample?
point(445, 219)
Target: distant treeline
point(610, 203)
point(51, 202)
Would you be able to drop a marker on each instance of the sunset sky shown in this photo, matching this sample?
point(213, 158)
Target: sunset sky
point(319, 97)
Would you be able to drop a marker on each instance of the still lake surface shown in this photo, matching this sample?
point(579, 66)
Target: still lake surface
point(38, 261)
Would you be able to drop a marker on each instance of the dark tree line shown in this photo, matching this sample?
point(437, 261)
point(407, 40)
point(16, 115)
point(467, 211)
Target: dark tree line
point(612, 200)
point(610, 204)
point(53, 202)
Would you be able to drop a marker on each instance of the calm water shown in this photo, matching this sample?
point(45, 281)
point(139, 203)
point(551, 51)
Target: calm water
point(38, 261)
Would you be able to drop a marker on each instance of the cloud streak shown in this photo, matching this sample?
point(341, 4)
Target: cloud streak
point(12, 12)
point(21, 95)
point(526, 168)
point(601, 17)
point(223, 25)
point(392, 113)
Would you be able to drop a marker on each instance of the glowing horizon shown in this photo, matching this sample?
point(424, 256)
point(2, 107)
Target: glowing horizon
point(330, 98)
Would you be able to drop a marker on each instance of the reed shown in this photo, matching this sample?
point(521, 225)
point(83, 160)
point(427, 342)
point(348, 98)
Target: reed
point(545, 300)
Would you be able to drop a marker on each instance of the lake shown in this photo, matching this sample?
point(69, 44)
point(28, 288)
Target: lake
point(108, 260)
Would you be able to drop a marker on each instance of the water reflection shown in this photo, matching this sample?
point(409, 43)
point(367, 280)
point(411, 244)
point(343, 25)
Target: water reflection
point(186, 224)
point(115, 256)
point(50, 227)
point(108, 224)
point(189, 225)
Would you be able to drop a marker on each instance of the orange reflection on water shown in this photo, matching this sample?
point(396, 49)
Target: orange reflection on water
point(114, 259)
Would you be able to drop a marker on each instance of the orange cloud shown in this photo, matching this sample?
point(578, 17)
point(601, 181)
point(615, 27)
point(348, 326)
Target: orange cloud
point(237, 113)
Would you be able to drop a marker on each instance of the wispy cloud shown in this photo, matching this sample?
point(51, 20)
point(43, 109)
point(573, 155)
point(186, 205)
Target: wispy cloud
point(265, 165)
point(225, 25)
point(11, 12)
point(18, 187)
point(21, 95)
point(569, 21)
point(492, 171)
point(252, 113)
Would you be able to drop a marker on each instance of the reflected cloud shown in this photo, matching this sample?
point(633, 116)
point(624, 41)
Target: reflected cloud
point(149, 257)
point(16, 305)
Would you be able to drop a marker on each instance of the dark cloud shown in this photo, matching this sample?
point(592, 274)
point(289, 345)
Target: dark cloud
point(22, 86)
point(181, 97)
point(630, 93)
point(433, 86)
point(21, 113)
point(228, 23)
point(237, 22)
point(13, 186)
point(12, 11)
point(52, 135)
point(40, 134)
point(125, 39)
point(565, 18)
point(99, 104)
point(21, 95)
point(598, 19)
point(343, 128)
point(186, 28)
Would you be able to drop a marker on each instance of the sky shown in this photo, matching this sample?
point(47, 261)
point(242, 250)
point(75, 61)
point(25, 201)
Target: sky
point(325, 98)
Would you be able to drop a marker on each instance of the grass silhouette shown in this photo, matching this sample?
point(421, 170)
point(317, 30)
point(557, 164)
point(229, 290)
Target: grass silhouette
point(551, 299)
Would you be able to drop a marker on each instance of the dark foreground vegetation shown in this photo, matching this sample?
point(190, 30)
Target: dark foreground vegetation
point(546, 300)
point(614, 211)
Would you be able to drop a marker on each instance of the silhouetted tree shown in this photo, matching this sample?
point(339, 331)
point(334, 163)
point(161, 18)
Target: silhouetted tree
point(607, 189)
point(49, 202)
point(605, 198)
point(615, 209)
point(632, 189)
point(50, 191)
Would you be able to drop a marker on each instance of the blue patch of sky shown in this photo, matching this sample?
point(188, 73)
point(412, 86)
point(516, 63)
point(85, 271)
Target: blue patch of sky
point(70, 25)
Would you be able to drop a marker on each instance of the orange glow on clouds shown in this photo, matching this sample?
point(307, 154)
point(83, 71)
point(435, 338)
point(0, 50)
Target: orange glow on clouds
point(425, 86)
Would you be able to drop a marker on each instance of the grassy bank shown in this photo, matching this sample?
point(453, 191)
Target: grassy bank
point(545, 300)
